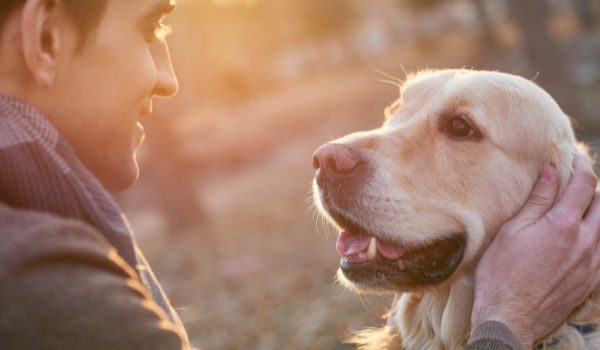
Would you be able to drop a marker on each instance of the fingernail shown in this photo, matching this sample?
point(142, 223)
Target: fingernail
point(547, 174)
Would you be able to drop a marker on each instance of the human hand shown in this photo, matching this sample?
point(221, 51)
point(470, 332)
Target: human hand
point(544, 262)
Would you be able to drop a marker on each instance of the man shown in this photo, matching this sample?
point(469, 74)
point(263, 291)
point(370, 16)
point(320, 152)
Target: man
point(76, 77)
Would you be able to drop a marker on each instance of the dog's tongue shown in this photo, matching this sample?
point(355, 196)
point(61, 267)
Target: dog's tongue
point(348, 244)
point(391, 251)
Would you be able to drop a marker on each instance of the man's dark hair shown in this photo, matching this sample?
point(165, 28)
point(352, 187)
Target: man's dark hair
point(85, 14)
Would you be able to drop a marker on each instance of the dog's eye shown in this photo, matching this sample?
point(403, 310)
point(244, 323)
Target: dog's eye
point(459, 127)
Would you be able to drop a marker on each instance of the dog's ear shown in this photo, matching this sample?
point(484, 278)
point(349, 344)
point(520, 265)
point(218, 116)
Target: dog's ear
point(561, 155)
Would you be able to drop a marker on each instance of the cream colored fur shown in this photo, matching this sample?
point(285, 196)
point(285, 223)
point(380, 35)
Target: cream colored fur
point(434, 185)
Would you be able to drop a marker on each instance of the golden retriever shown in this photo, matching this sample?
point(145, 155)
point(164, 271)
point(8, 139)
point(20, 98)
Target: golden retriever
point(419, 199)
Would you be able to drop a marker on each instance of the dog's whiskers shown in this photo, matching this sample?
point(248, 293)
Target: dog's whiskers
point(395, 80)
point(362, 301)
point(391, 82)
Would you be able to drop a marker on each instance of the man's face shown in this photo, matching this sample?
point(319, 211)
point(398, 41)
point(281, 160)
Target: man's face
point(105, 89)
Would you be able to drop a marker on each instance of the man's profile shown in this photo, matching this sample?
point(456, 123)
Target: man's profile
point(77, 78)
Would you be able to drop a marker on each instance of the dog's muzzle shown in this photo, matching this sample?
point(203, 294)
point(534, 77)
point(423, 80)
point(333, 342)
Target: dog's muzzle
point(418, 267)
point(340, 169)
point(377, 263)
point(342, 172)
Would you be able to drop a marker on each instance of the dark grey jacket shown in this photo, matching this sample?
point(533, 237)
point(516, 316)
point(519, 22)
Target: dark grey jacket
point(71, 276)
point(63, 286)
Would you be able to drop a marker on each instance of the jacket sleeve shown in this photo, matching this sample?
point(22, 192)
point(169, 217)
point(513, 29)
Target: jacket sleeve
point(63, 286)
point(493, 335)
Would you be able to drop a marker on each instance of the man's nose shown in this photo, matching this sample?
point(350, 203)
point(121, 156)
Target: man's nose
point(166, 81)
point(335, 159)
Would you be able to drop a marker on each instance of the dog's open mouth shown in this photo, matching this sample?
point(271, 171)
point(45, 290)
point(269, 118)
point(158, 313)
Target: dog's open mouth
point(370, 261)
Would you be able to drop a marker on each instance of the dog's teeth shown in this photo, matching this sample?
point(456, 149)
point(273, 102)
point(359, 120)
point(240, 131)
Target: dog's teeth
point(372, 251)
point(400, 264)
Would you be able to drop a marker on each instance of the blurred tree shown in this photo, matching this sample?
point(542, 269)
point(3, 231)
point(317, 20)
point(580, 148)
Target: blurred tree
point(544, 55)
point(487, 30)
point(422, 4)
point(585, 12)
point(479, 9)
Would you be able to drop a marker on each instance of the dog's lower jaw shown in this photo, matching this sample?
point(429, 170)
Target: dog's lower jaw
point(438, 319)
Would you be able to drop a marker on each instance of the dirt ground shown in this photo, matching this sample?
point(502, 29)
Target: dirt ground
point(258, 272)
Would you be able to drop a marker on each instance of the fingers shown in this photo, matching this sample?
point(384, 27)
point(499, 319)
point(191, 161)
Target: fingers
point(580, 190)
point(595, 275)
point(591, 224)
point(542, 196)
point(592, 216)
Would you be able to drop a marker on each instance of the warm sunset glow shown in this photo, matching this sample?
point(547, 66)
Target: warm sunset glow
point(248, 3)
point(226, 167)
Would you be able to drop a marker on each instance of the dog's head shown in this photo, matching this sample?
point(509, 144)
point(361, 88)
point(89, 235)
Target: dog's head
point(417, 200)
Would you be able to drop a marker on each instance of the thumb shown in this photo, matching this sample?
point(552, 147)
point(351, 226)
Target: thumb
point(541, 198)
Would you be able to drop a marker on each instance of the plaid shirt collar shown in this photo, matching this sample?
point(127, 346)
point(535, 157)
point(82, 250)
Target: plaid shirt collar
point(39, 170)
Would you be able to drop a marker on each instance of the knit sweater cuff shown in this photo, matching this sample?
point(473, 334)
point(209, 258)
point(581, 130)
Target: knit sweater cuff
point(495, 330)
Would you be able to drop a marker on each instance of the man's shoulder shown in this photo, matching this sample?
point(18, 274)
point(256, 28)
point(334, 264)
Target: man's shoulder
point(63, 286)
point(27, 234)
point(16, 223)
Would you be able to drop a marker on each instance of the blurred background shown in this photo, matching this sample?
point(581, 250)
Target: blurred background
point(223, 207)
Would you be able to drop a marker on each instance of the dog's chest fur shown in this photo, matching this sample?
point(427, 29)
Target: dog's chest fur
point(440, 320)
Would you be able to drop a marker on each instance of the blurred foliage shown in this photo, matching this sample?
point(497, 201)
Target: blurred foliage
point(229, 176)
point(324, 18)
point(422, 4)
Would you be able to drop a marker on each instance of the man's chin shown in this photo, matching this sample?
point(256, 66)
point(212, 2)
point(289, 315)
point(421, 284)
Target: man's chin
point(117, 179)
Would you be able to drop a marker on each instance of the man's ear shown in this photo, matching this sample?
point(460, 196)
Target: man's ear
point(40, 31)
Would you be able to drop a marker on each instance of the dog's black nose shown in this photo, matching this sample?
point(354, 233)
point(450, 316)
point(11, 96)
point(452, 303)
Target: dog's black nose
point(335, 159)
